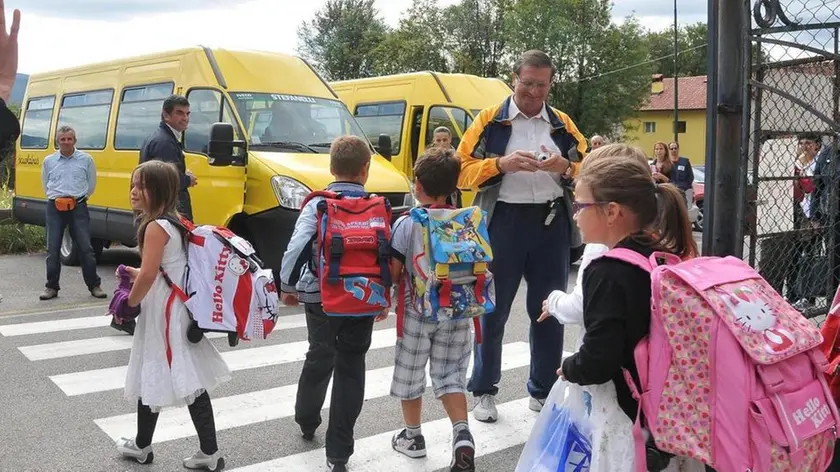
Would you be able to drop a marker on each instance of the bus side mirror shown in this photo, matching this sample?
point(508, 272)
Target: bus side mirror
point(384, 146)
point(222, 145)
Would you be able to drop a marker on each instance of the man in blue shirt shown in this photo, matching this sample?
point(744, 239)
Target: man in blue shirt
point(69, 178)
point(682, 174)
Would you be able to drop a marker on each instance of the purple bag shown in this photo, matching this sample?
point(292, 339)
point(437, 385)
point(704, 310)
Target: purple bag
point(119, 303)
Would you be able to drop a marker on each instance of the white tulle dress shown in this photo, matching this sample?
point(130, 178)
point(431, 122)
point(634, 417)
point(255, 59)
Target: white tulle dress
point(195, 368)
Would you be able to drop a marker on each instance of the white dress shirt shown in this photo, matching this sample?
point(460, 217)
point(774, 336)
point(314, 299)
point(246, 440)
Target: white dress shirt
point(178, 134)
point(530, 134)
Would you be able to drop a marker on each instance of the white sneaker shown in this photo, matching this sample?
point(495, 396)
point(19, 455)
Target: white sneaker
point(200, 460)
point(485, 411)
point(535, 404)
point(127, 448)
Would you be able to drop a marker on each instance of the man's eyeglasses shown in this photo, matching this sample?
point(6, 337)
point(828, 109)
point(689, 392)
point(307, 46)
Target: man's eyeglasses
point(533, 84)
point(577, 207)
point(673, 148)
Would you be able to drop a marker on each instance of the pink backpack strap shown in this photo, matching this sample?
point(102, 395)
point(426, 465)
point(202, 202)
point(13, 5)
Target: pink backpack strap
point(632, 257)
point(639, 445)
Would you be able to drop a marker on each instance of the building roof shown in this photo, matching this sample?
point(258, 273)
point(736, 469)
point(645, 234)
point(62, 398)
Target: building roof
point(692, 94)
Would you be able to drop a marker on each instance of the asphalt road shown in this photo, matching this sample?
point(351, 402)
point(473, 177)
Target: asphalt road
point(62, 400)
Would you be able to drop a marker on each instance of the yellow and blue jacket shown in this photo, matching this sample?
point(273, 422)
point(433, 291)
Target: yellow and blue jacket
point(486, 140)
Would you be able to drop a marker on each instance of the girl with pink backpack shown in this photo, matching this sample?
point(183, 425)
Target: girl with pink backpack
point(718, 367)
point(617, 204)
point(612, 439)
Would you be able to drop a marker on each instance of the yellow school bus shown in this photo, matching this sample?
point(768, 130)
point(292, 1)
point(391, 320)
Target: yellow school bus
point(256, 189)
point(408, 107)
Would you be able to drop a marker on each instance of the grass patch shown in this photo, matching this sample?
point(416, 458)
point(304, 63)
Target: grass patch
point(5, 197)
point(16, 238)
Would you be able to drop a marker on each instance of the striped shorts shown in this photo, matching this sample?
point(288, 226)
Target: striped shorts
point(446, 346)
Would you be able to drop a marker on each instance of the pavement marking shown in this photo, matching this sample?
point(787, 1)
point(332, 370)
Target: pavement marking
point(374, 453)
point(113, 378)
point(55, 326)
point(119, 342)
point(272, 404)
point(70, 324)
point(19, 313)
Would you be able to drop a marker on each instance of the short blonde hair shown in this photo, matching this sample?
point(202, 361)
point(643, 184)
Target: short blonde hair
point(617, 151)
point(349, 155)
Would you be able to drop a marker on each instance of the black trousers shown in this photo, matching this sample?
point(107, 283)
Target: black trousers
point(337, 348)
point(201, 412)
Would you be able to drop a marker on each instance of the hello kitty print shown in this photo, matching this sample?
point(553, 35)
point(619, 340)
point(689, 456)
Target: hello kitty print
point(762, 321)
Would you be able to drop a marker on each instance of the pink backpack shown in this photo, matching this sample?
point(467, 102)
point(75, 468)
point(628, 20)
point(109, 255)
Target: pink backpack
point(731, 374)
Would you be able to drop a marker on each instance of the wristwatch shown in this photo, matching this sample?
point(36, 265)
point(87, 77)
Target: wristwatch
point(499, 165)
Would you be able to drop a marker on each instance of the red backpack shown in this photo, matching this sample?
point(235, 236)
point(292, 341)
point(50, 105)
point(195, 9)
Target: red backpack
point(352, 253)
point(831, 346)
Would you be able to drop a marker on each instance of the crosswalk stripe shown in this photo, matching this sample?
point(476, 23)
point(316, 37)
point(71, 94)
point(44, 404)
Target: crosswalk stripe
point(374, 453)
point(271, 404)
point(40, 352)
point(38, 327)
point(113, 378)
point(120, 342)
point(70, 324)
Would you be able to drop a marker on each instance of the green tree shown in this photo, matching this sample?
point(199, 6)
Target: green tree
point(341, 38)
point(692, 41)
point(587, 48)
point(476, 41)
point(417, 44)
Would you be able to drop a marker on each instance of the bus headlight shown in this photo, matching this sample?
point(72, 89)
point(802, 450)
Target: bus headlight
point(289, 192)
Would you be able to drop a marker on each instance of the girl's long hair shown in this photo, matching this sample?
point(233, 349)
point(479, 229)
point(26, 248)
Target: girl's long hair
point(616, 174)
point(664, 163)
point(161, 183)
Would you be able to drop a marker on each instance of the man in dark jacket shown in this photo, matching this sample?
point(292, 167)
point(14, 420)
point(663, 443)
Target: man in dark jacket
point(166, 144)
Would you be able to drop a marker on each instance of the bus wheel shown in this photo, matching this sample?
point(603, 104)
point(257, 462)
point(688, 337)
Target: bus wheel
point(69, 252)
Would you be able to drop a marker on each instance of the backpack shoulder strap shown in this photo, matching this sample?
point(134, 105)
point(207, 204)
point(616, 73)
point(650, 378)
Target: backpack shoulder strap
point(320, 193)
point(185, 227)
point(631, 257)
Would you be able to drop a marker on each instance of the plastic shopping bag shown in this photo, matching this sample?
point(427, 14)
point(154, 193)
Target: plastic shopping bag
point(561, 438)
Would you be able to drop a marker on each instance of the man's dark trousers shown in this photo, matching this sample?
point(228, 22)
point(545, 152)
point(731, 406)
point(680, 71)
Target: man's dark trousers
point(185, 205)
point(78, 222)
point(524, 246)
point(337, 348)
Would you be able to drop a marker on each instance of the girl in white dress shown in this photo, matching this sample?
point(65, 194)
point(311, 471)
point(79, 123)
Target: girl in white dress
point(165, 369)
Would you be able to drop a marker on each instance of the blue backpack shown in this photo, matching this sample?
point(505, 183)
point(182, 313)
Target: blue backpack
point(448, 264)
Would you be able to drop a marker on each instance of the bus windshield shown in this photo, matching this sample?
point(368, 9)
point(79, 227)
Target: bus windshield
point(302, 123)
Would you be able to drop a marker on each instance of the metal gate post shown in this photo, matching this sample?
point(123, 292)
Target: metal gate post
point(711, 126)
point(728, 146)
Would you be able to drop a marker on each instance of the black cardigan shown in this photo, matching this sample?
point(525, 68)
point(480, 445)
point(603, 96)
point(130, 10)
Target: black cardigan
point(616, 315)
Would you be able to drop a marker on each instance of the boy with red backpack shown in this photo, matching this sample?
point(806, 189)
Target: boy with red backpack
point(343, 284)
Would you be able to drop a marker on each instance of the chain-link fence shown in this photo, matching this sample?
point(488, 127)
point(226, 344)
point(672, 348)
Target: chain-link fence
point(793, 91)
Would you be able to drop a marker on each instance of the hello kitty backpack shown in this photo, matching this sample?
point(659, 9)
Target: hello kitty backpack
point(731, 374)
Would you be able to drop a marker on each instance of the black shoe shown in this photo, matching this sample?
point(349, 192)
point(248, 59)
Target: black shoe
point(463, 452)
point(126, 326)
point(340, 467)
point(307, 435)
point(412, 447)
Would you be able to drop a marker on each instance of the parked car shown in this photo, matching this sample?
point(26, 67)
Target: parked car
point(699, 192)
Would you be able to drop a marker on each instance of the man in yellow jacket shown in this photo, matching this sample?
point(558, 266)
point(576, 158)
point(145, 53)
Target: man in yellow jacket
point(515, 155)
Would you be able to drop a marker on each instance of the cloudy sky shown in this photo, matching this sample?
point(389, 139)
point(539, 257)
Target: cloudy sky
point(62, 33)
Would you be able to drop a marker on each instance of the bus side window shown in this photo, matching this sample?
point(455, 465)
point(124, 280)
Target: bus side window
point(416, 124)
